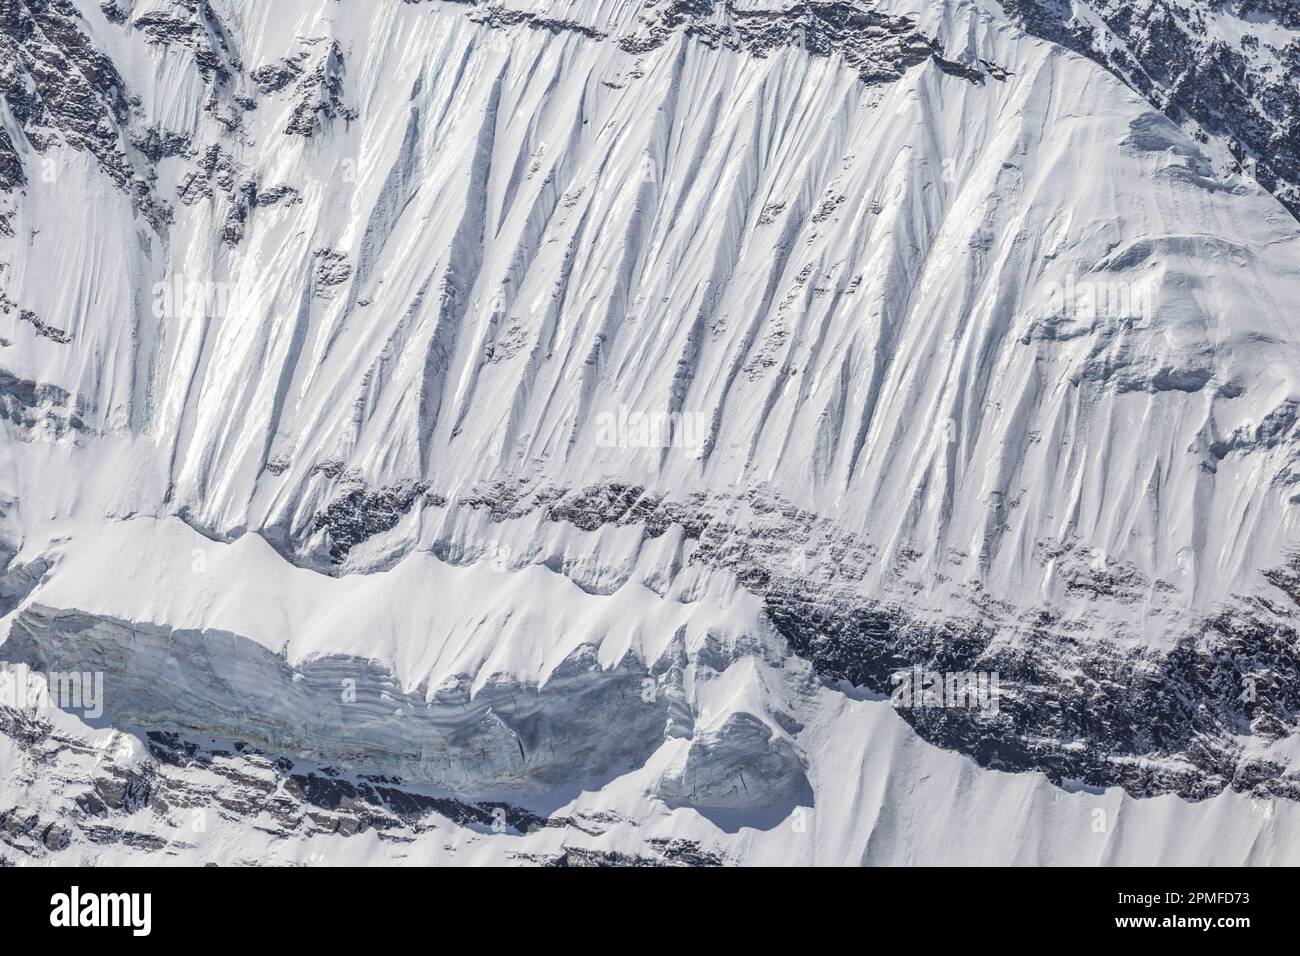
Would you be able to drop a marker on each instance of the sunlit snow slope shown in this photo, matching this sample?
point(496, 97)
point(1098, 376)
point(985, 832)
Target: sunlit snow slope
point(544, 431)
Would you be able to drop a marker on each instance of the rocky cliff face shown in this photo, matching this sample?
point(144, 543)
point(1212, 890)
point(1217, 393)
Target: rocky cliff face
point(643, 433)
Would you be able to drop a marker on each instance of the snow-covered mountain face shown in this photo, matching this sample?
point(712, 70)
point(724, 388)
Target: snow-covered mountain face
point(566, 432)
point(1225, 71)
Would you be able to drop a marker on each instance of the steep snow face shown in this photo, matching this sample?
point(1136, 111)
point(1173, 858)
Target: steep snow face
point(619, 396)
point(1228, 72)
